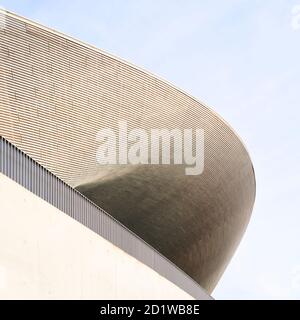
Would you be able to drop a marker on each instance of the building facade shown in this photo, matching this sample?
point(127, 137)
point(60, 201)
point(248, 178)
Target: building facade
point(56, 93)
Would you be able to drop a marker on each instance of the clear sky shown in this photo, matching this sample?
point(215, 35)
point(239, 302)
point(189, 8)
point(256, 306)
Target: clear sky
point(242, 57)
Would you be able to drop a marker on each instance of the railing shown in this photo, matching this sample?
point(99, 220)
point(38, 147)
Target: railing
point(25, 171)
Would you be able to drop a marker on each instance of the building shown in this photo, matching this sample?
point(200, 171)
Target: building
point(176, 232)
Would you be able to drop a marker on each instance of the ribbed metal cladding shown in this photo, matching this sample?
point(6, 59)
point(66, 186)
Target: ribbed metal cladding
point(56, 93)
point(18, 166)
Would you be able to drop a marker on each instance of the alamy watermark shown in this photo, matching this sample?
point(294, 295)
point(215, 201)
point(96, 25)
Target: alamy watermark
point(295, 22)
point(155, 146)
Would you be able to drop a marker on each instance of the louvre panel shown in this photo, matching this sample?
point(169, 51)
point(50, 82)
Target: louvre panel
point(47, 80)
point(56, 93)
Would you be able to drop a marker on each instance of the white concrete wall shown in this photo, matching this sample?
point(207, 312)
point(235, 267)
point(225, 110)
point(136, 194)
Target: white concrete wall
point(45, 254)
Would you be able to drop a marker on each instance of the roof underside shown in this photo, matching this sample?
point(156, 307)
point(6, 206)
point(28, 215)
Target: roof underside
point(56, 93)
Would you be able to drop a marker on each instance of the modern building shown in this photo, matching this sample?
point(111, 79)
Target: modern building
point(71, 228)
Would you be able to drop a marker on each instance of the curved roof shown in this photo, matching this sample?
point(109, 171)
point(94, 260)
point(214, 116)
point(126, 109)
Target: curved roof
point(56, 93)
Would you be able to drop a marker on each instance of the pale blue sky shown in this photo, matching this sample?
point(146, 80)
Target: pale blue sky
point(242, 57)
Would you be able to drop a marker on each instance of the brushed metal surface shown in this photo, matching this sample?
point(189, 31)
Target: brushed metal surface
point(57, 92)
